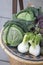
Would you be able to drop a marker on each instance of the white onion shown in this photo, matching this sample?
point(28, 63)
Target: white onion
point(23, 47)
point(34, 51)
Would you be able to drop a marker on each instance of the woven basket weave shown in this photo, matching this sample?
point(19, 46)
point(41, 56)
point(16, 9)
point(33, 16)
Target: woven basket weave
point(17, 58)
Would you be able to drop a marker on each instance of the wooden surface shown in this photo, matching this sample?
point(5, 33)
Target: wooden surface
point(21, 4)
point(14, 5)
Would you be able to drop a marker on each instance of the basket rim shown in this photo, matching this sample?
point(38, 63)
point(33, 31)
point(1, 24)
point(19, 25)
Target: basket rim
point(7, 50)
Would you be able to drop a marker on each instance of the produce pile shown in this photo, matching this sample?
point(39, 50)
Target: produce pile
point(25, 31)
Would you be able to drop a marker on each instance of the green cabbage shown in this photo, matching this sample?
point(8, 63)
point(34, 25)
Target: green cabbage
point(26, 16)
point(4, 34)
point(13, 35)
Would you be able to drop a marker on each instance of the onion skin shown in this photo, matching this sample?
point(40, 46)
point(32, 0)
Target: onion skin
point(23, 47)
point(34, 51)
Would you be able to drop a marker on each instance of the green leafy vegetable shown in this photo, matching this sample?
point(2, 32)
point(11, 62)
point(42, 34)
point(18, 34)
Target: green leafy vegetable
point(25, 25)
point(4, 34)
point(26, 16)
point(34, 10)
point(27, 37)
point(23, 22)
point(13, 35)
point(33, 39)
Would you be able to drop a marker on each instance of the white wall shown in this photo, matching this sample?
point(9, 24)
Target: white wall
point(5, 8)
point(36, 3)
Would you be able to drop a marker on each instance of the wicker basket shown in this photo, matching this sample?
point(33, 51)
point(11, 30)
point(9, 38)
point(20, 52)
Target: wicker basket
point(15, 60)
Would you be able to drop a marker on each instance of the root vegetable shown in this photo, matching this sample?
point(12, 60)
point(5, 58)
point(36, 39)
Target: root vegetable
point(34, 50)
